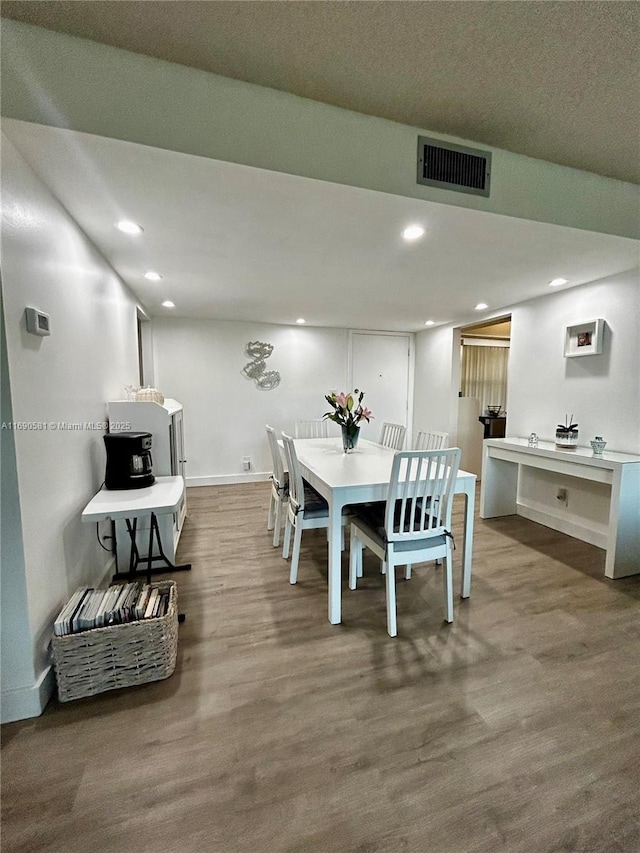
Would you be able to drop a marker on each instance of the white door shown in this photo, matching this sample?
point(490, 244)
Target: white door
point(380, 368)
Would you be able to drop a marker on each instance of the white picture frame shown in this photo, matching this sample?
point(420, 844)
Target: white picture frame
point(584, 338)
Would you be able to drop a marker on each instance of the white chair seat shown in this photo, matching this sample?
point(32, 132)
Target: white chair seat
point(370, 520)
point(315, 505)
point(412, 526)
point(279, 488)
point(306, 509)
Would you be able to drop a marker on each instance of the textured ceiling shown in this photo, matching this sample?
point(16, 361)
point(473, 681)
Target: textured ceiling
point(558, 81)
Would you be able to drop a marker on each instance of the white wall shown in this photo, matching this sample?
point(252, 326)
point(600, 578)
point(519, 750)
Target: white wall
point(16, 672)
point(601, 391)
point(199, 363)
point(437, 381)
point(66, 377)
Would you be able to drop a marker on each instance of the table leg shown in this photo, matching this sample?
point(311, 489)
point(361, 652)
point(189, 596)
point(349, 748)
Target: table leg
point(136, 559)
point(467, 544)
point(153, 526)
point(335, 561)
point(499, 486)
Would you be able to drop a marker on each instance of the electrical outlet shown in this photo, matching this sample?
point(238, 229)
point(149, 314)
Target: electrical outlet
point(246, 463)
point(562, 496)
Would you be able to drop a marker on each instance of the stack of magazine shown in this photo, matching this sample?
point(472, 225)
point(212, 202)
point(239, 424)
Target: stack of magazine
point(98, 608)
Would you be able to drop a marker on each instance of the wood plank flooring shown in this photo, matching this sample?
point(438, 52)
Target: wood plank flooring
point(513, 730)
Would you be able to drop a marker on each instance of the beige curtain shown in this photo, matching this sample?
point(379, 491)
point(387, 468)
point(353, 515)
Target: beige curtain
point(484, 375)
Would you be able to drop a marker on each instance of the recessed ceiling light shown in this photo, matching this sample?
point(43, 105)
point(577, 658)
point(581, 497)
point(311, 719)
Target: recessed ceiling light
point(168, 304)
point(413, 232)
point(430, 322)
point(129, 227)
point(300, 321)
point(481, 306)
point(152, 276)
point(558, 281)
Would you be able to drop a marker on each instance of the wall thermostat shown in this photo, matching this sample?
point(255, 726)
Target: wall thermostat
point(37, 322)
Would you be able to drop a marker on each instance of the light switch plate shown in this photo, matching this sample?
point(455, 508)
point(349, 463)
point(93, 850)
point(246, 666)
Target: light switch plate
point(37, 322)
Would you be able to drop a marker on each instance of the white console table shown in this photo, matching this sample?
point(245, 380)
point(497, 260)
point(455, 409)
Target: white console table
point(609, 483)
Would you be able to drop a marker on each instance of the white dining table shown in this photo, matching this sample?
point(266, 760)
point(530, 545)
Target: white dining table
point(360, 477)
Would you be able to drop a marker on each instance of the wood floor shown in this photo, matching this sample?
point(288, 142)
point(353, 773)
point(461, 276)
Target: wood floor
point(516, 728)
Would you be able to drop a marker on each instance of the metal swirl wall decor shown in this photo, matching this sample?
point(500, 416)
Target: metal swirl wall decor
point(256, 369)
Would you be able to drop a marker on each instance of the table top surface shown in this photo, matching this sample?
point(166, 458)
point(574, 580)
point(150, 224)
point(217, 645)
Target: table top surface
point(368, 465)
point(162, 497)
point(581, 454)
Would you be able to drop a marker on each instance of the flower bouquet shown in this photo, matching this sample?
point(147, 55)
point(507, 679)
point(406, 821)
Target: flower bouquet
point(348, 411)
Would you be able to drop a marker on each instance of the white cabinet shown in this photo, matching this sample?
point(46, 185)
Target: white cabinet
point(165, 423)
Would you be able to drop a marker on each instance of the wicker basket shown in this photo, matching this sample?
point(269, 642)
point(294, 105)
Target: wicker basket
point(101, 659)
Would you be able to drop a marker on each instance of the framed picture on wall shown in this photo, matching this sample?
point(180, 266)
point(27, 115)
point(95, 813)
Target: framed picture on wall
point(584, 338)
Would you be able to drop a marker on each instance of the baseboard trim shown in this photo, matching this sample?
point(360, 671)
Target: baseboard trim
point(26, 702)
point(228, 479)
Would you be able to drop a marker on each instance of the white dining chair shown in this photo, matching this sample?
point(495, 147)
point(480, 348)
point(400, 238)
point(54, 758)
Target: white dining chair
point(413, 525)
point(315, 428)
point(431, 440)
point(392, 435)
point(279, 488)
point(306, 509)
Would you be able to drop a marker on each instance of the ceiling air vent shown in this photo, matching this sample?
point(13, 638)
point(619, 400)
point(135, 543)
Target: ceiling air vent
point(452, 167)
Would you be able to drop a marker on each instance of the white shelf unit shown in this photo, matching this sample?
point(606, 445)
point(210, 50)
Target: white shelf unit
point(166, 425)
point(604, 505)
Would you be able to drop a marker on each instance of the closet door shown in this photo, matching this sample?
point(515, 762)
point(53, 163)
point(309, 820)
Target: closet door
point(381, 367)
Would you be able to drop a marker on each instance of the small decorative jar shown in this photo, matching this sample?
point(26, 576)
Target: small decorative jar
point(533, 440)
point(566, 439)
point(598, 445)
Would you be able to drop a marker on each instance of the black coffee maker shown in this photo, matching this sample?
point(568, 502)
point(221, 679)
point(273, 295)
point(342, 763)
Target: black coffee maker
point(129, 464)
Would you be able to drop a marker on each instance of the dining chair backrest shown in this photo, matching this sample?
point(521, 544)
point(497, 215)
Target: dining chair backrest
point(296, 486)
point(420, 494)
point(392, 435)
point(316, 428)
point(276, 457)
point(431, 440)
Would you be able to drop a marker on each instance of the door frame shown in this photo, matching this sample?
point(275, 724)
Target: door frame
point(456, 365)
point(144, 338)
point(410, 373)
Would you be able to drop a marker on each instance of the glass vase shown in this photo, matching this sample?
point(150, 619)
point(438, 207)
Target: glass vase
point(350, 435)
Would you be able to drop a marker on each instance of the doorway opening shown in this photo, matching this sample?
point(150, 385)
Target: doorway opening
point(484, 368)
